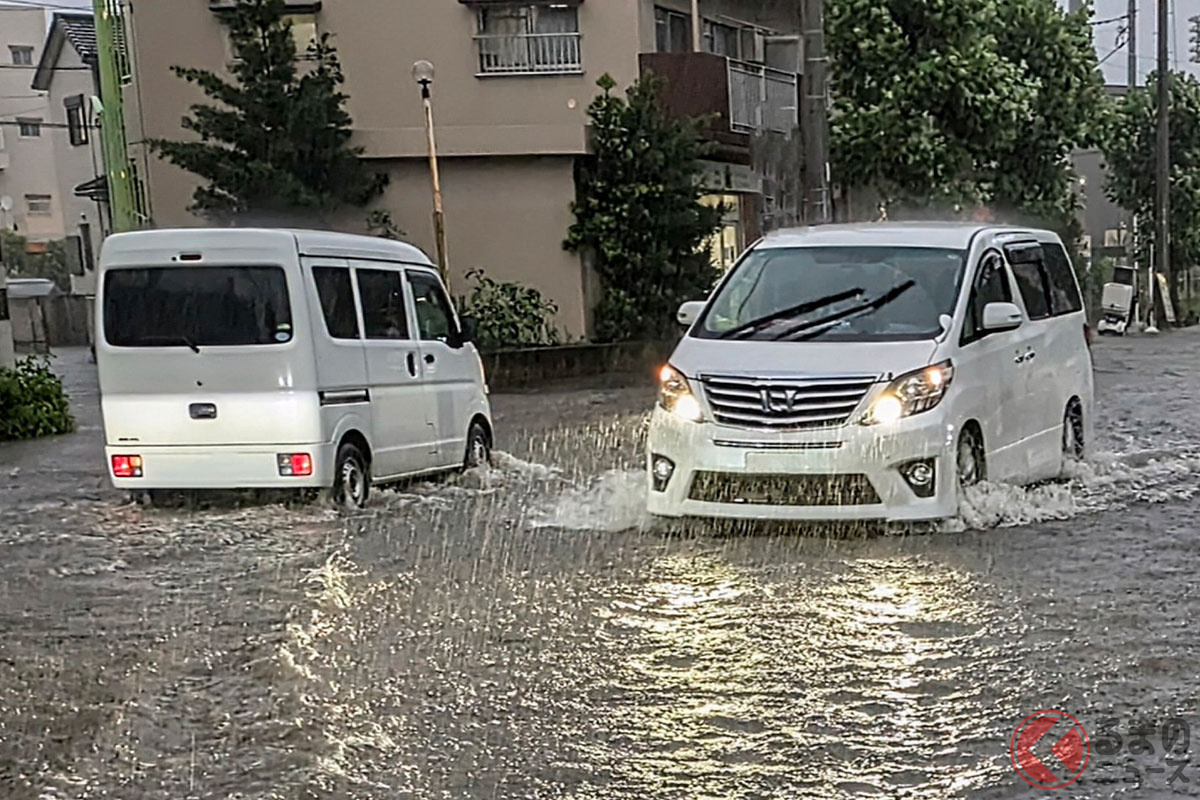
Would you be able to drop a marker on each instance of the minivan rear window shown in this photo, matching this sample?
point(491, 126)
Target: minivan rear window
point(196, 306)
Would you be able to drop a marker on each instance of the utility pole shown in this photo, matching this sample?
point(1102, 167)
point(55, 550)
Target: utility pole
point(1131, 13)
point(1162, 167)
point(814, 117)
point(112, 59)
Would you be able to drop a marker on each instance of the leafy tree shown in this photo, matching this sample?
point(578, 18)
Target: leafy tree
point(1131, 152)
point(972, 102)
point(509, 314)
point(638, 214)
point(278, 137)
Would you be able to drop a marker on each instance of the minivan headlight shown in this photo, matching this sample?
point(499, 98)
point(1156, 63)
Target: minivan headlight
point(675, 396)
point(911, 394)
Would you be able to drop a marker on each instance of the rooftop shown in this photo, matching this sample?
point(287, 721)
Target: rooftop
point(76, 28)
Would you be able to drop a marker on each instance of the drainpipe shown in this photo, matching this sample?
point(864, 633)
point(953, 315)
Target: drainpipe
point(697, 28)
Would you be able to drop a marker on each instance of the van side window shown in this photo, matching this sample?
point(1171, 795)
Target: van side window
point(382, 294)
point(1064, 291)
point(1035, 291)
point(991, 286)
point(435, 319)
point(337, 301)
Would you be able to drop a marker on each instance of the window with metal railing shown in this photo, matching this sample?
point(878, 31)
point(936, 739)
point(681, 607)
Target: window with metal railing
point(523, 39)
point(116, 13)
point(761, 98)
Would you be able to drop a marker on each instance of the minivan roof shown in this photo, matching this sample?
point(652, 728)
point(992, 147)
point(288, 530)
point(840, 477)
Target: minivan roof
point(955, 235)
point(306, 242)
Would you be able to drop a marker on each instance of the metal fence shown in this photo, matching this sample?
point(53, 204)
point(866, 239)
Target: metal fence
point(761, 98)
point(528, 53)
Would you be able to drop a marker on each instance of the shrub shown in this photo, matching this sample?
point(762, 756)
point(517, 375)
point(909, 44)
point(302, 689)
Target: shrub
point(32, 401)
point(509, 314)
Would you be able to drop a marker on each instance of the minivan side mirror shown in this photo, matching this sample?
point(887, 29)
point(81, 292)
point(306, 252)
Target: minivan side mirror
point(689, 312)
point(1002, 317)
point(469, 328)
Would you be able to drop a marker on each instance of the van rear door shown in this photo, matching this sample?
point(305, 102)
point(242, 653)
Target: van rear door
point(205, 355)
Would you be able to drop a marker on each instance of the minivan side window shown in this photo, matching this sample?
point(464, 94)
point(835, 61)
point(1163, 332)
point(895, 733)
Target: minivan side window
point(382, 293)
point(337, 301)
point(435, 319)
point(1064, 292)
point(1032, 283)
point(991, 286)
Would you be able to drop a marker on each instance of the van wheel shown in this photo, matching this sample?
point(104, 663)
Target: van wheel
point(1072, 434)
point(351, 478)
point(972, 468)
point(479, 447)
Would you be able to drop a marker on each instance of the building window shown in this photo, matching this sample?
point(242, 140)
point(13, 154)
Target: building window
point(726, 244)
point(527, 39)
point(672, 31)
point(22, 55)
point(38, 205)
point(29, 128)
point(304, 36)
point(724, 40)
point(77, 126)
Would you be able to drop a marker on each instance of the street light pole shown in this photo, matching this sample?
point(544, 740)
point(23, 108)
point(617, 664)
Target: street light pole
point(423, 74)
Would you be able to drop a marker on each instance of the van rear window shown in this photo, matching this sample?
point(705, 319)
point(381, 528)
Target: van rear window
point(196, 306)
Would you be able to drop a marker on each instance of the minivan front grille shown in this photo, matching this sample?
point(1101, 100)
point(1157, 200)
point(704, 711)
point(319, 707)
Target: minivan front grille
point(783, 490)
point(784, 404)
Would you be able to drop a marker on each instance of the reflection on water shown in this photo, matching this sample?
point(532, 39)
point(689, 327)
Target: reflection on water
point(811, 677)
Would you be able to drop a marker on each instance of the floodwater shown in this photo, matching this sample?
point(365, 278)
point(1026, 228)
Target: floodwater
point(520, 634)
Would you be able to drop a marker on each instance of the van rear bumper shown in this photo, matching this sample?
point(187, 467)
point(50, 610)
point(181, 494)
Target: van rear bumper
point(221, 467)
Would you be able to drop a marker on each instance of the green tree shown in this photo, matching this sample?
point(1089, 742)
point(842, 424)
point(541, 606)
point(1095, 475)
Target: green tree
point(973, 102)
point(1131, 152)
point(278, 137)
point(638, 214)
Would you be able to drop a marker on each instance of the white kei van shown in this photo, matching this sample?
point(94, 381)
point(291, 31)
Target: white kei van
point(869, 371)
point(275, 359)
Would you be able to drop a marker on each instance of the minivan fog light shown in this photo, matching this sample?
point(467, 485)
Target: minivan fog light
point(911, 394)
point(675, 396)
point(920, 477)
point(661, 469)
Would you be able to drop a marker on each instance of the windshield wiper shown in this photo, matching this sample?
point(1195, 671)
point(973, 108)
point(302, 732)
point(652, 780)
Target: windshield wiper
point(802, 308)
point(825, 323)
point(168, 341)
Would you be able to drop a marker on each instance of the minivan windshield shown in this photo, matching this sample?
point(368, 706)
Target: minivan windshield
point(860, 294)
point(196, 306)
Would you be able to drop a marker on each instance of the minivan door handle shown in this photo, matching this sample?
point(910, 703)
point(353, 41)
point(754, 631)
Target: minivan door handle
point(412, 365)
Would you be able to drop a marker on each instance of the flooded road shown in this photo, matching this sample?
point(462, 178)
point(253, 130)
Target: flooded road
point(517, 634)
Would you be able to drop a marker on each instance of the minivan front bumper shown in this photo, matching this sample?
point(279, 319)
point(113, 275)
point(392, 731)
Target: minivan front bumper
point(222, 467)
point(851, 472)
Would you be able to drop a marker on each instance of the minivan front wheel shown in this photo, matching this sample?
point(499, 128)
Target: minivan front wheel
point(1072, 435)
point(969, 457)
point(351, 478)
point(479, 447)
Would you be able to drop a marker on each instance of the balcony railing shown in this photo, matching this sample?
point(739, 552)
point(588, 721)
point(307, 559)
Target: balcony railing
point(529, 54)
point(761, 98)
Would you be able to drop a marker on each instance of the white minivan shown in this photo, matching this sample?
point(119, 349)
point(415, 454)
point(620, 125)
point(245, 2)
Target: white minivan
point(869, 371)
point(275, 359)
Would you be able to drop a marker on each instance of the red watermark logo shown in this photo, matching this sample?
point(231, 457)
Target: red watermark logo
point(1049, 749)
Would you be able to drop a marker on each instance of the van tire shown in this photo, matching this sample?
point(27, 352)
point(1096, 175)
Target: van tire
point(970, 465)
point(351, 478)
point(1073, 432)
point(479, 447)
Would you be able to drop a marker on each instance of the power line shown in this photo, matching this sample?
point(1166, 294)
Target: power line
point(1109, 20)
point(33, 68)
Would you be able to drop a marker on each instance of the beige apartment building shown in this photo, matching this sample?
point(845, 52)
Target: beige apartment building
point(46, 145)
point(513, 82)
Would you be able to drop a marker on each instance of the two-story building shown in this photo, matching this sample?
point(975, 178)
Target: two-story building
point(513, 82)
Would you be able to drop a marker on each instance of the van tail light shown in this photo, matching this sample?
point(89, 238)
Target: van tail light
point(127, 466)
point(295, 464)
